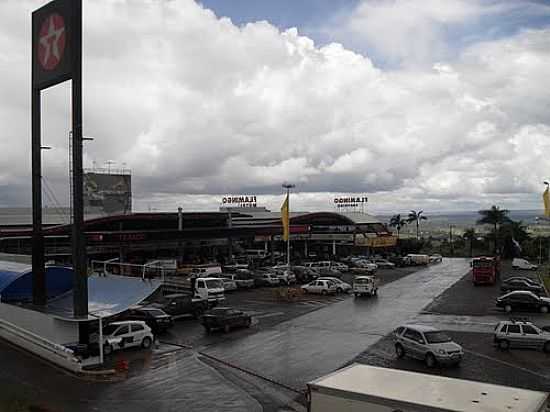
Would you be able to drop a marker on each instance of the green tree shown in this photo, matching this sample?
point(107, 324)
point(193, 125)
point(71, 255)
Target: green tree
point(415, 216)
point(496, 217)
point(397, 222)
point(470, 235)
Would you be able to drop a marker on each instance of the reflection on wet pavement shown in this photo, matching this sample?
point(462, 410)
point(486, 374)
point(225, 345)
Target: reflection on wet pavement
point(311, 345)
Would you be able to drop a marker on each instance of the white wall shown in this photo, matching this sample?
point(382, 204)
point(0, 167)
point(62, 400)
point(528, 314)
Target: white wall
point(42, 324)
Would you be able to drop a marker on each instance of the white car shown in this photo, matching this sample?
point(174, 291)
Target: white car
point(383, 263)
point(339, 266)
point(518, 263)
point(228, 283)
point(126, 334)
point(428, 344)
point(365, 264)
point(323, 287)
point(286, 276)
point(341, 286)
point(436, 258)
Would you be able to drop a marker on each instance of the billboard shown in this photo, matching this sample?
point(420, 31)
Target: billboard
point(107, 193)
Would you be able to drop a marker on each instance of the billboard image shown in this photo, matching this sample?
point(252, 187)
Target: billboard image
point(107, 193)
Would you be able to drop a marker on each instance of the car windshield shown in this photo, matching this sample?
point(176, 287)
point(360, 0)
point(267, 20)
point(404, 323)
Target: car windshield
point(362, 281)
point(214, 284)
point(437, 337)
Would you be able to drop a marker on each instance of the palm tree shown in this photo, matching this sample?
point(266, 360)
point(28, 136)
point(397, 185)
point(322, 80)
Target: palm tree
point(415, 216)
point(494, 216)
point(397, 222)
point(471, 235)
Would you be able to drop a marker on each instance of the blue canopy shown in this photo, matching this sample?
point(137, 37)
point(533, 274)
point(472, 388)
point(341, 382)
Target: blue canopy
point(16, 281)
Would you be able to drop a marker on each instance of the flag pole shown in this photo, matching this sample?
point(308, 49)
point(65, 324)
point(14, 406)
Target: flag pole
point(288, 186)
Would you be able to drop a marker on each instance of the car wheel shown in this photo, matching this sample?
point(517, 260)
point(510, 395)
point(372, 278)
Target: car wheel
point(544, 309)
point(399, 351)
point(339, 290)
point(375, 293)
point(226, 328)
point(146, 342)
point(356, 295)
point(324, 292)
point(546, 347)
point(107, 349)
point(430, 360)
point(508, 308)
point(503, 344)
point(248, 323)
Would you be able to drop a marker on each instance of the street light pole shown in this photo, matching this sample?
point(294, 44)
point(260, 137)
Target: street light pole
point(288, 186)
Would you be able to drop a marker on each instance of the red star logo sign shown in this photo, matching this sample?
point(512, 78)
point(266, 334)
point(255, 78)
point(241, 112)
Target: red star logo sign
point(51, 39)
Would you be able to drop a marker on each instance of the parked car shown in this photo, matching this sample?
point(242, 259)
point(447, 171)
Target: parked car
point(324, 287)
point(228, 283)
point(328, 268)
point(436, 258)
point(305, 274)
point(364, 264)
point(339, 266)
point(524, 301)
point(518, 263)
point(365, 285)
point(158, 320)
point(125, 334)
point(428, 344)
point(520, 284)
point(179, 305)
point(519, 334)
point(285, 275)
point(225, 318)
point(341, 286)
point(243, 279)
point(383, 263)
point(525, 278)
point(400, 261)
point(266, 279)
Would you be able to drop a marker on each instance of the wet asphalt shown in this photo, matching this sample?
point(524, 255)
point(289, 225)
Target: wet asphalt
point(292, 352)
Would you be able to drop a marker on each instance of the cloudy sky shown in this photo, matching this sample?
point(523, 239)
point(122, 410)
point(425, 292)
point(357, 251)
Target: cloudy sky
point(433, 104)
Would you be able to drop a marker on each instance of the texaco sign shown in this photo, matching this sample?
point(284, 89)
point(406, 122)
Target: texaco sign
point(52, 43)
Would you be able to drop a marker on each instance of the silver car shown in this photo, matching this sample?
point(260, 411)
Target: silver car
point(514, 334)
point(428, 344)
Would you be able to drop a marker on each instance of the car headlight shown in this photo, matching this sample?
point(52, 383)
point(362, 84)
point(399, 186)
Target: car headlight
point(441, 352)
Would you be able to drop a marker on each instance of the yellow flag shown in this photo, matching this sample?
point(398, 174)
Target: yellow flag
point(546, 199)
point(285, 218)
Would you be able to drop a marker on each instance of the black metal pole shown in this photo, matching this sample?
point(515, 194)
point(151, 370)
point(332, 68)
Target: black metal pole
point(38, 269)
point(80, 295)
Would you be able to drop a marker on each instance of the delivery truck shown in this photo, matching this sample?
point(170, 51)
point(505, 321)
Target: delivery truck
point(363, 388)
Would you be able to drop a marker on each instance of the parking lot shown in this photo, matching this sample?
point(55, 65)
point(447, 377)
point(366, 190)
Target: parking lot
point(468, 314)
point(292, 342)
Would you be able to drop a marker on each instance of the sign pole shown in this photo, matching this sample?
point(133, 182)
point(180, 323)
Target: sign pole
point(80, 295)
point(38, 269)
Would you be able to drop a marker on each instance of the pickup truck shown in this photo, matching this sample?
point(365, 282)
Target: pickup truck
point(180, 305)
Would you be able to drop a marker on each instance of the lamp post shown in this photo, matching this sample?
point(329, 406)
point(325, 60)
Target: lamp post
point(288, 186)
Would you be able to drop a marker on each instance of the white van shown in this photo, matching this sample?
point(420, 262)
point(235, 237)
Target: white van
point(518, 263)
point(365, 285)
